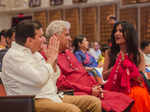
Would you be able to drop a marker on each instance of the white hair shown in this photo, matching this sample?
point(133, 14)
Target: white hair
point(57, 27)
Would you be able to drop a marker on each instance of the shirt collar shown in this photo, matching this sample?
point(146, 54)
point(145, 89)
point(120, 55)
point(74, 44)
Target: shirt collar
point(21, 47)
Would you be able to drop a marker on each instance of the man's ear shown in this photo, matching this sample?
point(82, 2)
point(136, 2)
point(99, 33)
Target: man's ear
point(28, 42)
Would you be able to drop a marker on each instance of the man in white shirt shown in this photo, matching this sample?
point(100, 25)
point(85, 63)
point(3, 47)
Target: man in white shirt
point(95, 51)
point(25, 72)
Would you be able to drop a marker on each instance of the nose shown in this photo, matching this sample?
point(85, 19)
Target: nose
point(117, 33)
point(69, 38)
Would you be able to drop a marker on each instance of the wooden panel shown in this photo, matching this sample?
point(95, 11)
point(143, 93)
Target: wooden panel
point(76, 1)
point(72, 15)
point(142, 1)
point(89, 23)
point(56, 2)
point(41, 17)
point(145, 23)
point(105, 27)
point(55, 15)
point(129, 15)
point(126, 2)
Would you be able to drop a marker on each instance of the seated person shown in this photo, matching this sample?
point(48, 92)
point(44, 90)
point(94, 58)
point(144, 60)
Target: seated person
point(95, 50)
point(74, 76)
point(88, 61)
point(25, 72)
point(10, 36)
point(3, 36)
point(3, 46)
point(145, 47)
point(101, 57)
point(122, 64)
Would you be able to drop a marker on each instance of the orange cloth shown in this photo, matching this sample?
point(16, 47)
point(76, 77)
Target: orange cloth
point(141, 99)
point(2, 90)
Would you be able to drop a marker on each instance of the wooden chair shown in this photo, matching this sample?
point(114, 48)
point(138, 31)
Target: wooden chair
point(15, 103)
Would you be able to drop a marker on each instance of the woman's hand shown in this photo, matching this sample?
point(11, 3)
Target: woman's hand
point(95, 91)
point(88, 69)
point(106, 72)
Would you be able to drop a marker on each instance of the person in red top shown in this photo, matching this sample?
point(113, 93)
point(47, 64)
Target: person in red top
point(74, 76)
point(122, 66)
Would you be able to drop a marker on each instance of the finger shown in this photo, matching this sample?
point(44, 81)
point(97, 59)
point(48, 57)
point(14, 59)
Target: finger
point(57, 44)
point(51, 42)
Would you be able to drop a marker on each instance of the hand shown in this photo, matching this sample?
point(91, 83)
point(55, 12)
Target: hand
point(95, 91)
point(101, 91)
point(52, 50)
point(88, 68)
point(100, 65)
point(106, 73)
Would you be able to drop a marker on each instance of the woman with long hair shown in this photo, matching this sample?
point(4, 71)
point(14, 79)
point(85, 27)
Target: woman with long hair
point(122, 64)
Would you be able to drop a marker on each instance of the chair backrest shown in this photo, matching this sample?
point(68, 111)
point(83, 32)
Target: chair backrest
point(15, 103)
point(2, 89)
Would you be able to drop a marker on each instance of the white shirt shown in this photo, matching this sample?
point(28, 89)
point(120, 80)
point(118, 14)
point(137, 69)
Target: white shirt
point(95, 53)
point(25, 73)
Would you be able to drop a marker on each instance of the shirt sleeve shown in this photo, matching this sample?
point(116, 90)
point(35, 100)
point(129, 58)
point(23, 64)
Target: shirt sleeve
point(54, 75)
point(28, 71)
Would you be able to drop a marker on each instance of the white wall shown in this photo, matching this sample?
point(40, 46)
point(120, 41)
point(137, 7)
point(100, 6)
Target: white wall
point(5, 21)
point(5, 17)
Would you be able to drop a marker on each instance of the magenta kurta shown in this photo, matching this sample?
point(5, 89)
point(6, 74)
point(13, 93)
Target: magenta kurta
point(74, 76)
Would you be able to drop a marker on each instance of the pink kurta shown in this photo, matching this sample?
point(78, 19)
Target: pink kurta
point(74, 76)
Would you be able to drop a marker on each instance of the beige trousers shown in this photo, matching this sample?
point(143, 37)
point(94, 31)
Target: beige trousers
point(70, 103)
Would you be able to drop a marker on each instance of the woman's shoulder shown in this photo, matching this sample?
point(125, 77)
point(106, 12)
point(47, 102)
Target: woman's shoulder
point(78, 52)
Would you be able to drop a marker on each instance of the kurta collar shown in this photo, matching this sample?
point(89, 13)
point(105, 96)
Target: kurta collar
point(21, 48)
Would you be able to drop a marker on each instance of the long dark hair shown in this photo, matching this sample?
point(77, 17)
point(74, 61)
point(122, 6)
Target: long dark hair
point(78, 39)
point(131, 38)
